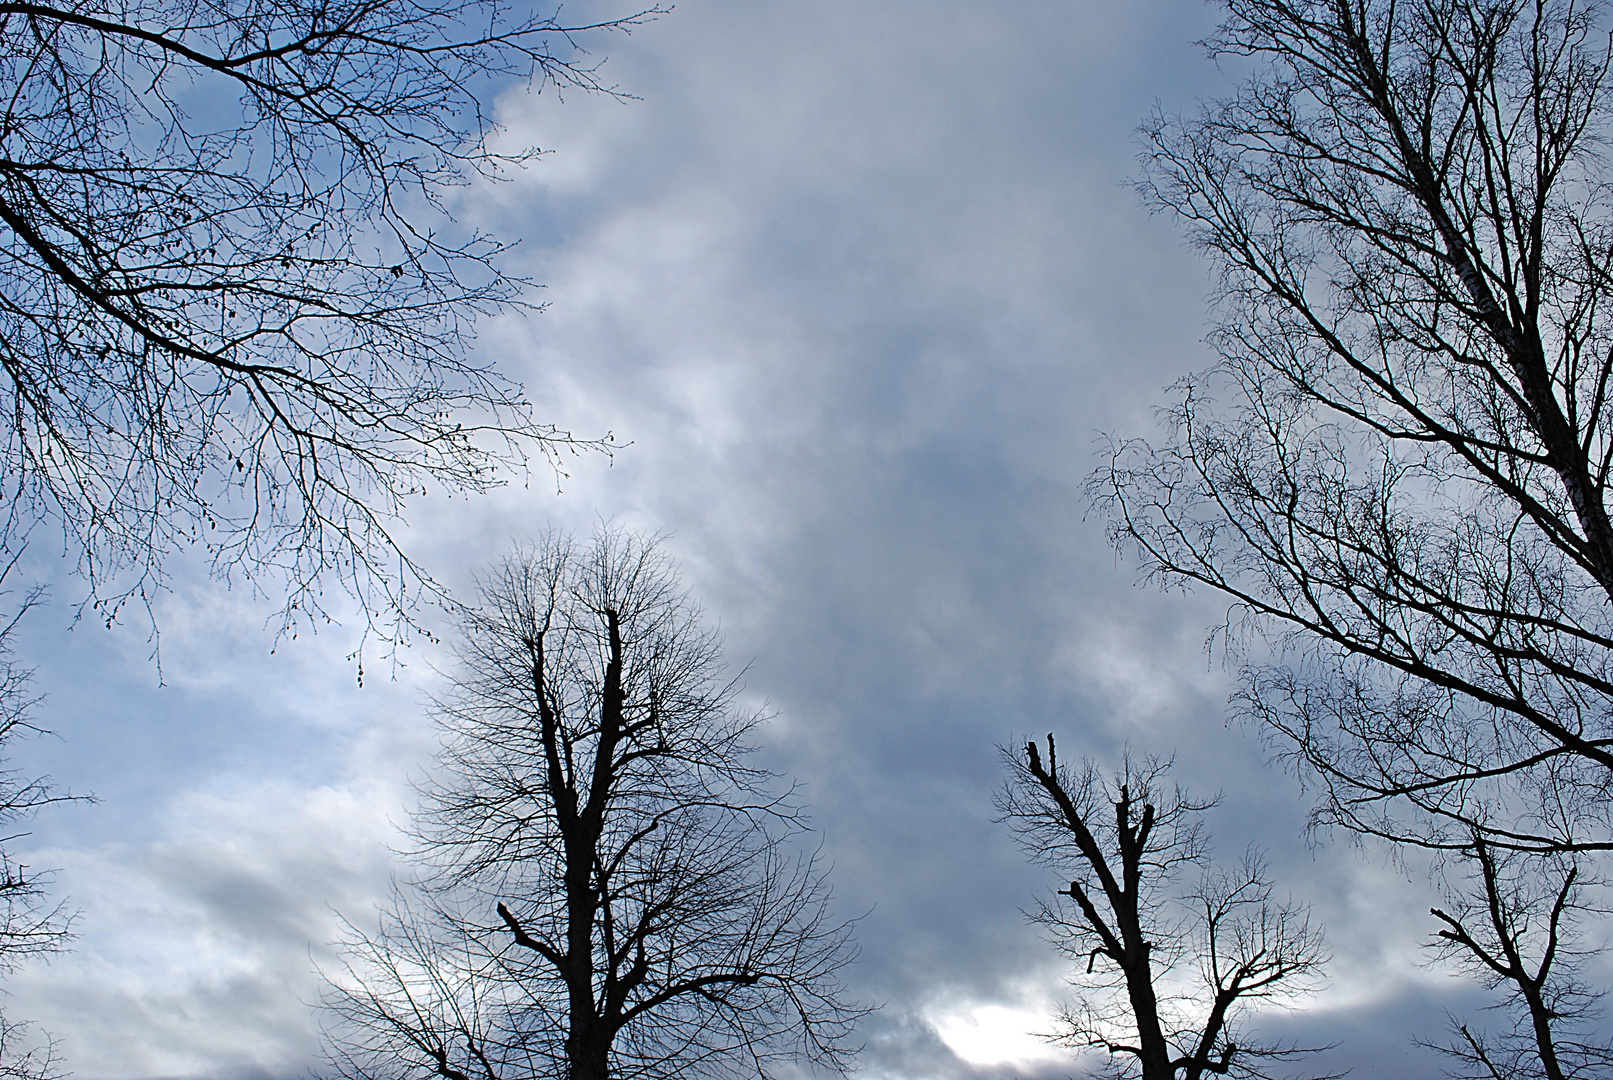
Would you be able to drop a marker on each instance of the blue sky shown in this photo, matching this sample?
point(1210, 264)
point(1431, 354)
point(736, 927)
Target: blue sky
point(862, 285)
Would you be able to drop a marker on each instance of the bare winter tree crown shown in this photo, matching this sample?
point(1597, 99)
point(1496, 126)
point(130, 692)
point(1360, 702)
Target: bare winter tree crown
point(608, 887)
point(1398, 470)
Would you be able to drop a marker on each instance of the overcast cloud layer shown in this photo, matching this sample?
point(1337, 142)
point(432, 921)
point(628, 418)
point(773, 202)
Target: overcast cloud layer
point(862, 285)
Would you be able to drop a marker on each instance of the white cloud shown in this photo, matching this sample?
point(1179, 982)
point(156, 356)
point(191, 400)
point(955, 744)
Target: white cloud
point(993, 1034)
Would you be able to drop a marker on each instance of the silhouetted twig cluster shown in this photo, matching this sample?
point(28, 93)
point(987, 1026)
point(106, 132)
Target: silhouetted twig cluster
point(234, 307)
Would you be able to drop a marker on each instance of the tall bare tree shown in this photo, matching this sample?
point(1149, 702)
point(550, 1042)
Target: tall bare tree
point(1398, 471)
point(1181, 962)
point(234, 307)
point(1408, 211)
point(31, 923)
point(606, 888)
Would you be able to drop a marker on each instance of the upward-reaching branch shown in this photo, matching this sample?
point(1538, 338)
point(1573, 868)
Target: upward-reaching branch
point(1516, 921)
point(1124, 842)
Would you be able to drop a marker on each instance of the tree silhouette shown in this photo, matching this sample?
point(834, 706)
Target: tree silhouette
point(1398, 471)
point(31, 924)
point(1125, 843)
point(605, 889)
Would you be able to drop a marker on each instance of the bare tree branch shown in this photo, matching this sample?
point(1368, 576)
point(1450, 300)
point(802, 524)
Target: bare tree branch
point(234, 308)
point(31, 923)
point(1398, 471)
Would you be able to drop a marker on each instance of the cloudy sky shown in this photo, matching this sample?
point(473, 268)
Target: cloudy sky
point(861, 283)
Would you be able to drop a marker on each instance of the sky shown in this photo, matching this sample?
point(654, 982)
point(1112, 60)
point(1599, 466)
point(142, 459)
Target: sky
point(862, 288)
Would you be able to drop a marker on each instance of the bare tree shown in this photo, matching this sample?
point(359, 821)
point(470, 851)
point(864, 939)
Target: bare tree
point(1398, 471)
point(606, 886)
point(233, 305)
point(1181, 966)
point(1518, 925)
point(25, 1055)
point(31, 924)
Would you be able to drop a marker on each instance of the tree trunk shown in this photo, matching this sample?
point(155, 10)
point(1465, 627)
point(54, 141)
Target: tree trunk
point(1153, 1053)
